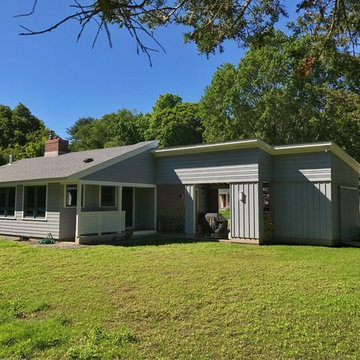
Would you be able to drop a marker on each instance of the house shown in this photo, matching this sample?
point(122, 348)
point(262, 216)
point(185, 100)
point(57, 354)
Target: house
point(304, 194)
point(224, 199)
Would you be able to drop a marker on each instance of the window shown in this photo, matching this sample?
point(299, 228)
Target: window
point(35, 202)
point(223, 201)
point(71, 195)
point(108, 195)
point(7, 202)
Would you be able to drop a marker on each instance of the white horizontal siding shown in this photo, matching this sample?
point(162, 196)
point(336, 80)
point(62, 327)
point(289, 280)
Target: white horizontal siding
point(99, 222)
point(302, 167)
point(138, 169)
point(265, 163)
point(217, 174)
point(343, 174)
point(33, 227)
point(213, 167)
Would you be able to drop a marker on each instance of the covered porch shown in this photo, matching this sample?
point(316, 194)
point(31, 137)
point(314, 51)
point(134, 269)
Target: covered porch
point(181, 208)
point(97, 212)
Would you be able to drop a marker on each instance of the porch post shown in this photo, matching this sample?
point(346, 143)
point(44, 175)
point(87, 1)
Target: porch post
point(190, 209)
point(119, 201)
point(155, 208)
point(133, 207)
point(78, 210)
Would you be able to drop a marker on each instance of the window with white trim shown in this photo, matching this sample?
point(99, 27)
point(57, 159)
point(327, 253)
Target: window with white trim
point(71, 195)
point(108, 196)
point(35, 202)
point(7, 202)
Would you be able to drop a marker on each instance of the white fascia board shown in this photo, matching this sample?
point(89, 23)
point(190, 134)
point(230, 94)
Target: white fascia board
point(32, 182)
point(301, 148)
point(345, 157)
point(201, 148)
point(318, 147)
point(117, 183)
point(256, 143)
point(114, 161)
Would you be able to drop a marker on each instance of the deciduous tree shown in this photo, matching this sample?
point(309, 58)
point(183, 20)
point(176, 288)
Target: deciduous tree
point(21, 133)
point(272, 96)
point(174, 122)
point(115, 129)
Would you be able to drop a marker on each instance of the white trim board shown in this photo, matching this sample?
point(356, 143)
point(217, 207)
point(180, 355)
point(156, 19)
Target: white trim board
point(112, 183)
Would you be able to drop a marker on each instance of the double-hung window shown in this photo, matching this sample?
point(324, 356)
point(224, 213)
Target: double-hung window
point(35, 202)
point(7, 202)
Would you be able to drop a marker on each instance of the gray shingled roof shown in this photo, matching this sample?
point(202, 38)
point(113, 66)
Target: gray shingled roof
point(63, 166)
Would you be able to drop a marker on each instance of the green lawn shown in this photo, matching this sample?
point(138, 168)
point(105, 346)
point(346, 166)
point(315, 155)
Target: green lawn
point(179, 301)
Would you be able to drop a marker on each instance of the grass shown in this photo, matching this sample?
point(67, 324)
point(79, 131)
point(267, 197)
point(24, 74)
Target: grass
point(179, 301)
point(225, 213)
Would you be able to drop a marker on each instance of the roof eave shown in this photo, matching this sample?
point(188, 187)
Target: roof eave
point(272, 150)
point(201, 148)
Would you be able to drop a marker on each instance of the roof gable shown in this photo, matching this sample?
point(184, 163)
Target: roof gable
point(71, 165)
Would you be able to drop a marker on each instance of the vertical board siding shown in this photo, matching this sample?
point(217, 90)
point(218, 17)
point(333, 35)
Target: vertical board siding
point(245, 215)
point(349, 214)
point(190, 209)
point(344, 175)
point(302, 210)
point(35, 228)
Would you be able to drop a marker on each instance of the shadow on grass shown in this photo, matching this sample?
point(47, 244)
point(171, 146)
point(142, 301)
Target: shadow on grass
point(160, 240)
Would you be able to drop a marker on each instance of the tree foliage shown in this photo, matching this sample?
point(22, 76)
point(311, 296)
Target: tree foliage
point(269, 95)
point(209, 23)
point(21, 133)
point(174, 122)
point(115, 129)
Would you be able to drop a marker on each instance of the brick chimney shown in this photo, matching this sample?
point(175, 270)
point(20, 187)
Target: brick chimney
point(56, 146)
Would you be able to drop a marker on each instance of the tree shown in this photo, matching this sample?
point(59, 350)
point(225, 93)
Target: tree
point(78, 132)
point(21, 133)
point(73, 130)
point(209, 23)
point(174, 122)
point(272, 96)
point(115, 129)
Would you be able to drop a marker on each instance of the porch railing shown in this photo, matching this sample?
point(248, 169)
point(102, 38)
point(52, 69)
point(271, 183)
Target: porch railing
point(101, 222)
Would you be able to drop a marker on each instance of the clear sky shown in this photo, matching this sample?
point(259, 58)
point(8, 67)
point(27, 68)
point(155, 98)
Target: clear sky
point(60, 80)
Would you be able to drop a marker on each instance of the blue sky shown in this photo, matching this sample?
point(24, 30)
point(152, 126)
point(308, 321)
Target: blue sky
point(61, 80)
